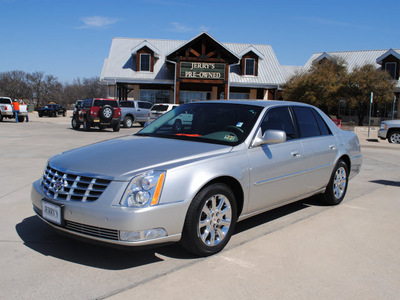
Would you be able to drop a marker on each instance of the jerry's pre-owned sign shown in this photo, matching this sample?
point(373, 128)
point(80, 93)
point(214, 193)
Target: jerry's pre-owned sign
point(202, 70)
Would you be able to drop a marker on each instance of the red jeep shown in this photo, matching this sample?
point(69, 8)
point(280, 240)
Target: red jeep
point(99, 112)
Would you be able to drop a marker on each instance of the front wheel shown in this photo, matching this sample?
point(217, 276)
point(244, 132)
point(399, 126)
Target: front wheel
point(74, 123)
point(128, 122)
point(337, 186)
point(394, 137)
point(210, 220)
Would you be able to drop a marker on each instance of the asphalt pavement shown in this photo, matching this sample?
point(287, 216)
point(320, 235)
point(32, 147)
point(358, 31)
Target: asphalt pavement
point(304, 250)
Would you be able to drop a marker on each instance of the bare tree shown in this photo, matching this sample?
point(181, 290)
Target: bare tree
point(13, 84)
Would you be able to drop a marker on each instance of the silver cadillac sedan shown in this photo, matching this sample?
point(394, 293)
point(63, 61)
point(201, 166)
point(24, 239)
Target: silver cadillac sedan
point(194, 172)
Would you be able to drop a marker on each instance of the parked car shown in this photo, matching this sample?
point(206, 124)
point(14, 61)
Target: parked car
point(235, 160)
point(98, 112)
point(390, 130)
point(159, 109)
point(134, 111)
point(7, 110)
point(52, 110)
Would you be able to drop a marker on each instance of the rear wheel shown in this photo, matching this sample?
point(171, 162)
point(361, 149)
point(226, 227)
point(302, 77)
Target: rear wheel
point(337, 186)
point(116, 127)
point(86, 125)
point(394, 137)
point(210, 220)
point(21, 118)
point(128, 122)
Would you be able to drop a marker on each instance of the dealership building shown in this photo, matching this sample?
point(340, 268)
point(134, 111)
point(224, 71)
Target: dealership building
point(171, 71)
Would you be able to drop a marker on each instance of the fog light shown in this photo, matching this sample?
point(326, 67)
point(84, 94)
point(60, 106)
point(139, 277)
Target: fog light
point(144, 235)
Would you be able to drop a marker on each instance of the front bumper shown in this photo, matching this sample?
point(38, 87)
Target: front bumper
point(103, 220)
point(382, 134)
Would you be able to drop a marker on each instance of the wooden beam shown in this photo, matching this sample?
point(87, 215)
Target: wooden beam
point(195, 52)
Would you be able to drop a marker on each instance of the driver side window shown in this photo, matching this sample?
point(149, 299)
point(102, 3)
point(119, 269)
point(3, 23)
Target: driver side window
point(279, 118)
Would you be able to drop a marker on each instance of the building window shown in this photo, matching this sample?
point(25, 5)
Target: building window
point(155, 96)
point(390, 67)
point(239, 96)
point(145, 62)
point(190, 96)
point(250, 66)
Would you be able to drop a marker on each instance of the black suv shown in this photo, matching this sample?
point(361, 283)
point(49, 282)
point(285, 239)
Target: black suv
point(98, 112)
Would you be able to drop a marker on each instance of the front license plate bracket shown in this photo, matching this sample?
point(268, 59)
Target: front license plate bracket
point(52, 212)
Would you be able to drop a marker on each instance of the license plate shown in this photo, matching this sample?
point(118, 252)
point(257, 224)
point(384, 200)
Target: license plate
point(51, 212)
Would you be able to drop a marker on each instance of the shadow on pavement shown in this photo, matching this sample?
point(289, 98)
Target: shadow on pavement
point(387, 182)
point(42, 238)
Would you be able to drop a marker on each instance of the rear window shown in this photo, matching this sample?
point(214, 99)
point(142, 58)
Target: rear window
point(4, 101)
point(105, 102)
point(160, 107)
point(126, 104)
point(145, 105)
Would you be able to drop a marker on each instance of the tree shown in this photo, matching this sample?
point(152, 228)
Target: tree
point(35, 82)
point(14, 85)
point(320, 86)
point(359, 85)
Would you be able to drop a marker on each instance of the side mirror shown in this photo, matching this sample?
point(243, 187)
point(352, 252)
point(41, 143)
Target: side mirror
point(270, 137)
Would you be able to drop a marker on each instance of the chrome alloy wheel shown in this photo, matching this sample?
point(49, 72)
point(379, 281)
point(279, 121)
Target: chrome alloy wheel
point(215, 220)
point(395, 137)
point(339, 183)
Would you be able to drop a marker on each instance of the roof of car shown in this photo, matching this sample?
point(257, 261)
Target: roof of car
point(262, 103)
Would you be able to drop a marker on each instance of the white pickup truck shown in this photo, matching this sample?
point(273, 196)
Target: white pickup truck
point(7, 110)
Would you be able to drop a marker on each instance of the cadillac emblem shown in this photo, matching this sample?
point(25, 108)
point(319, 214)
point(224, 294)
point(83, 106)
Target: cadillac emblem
point(58, 185)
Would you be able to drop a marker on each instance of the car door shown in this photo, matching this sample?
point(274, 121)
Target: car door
point(275, 169)
point(320, 148)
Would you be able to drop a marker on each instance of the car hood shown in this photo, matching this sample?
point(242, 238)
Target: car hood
point(123, 157)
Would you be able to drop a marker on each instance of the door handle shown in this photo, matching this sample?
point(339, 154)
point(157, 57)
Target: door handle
point(332, 147)
point(295, 154)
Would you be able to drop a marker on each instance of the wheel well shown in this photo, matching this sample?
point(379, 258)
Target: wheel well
point(347, 160)
point(390, 130)
point(236, 189)
point(131, 116)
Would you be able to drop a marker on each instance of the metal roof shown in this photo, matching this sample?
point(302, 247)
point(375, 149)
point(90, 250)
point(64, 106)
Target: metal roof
point(120, 65)
point(353, 58)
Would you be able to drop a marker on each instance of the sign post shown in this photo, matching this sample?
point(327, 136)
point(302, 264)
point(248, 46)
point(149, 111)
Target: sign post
point(370, 111)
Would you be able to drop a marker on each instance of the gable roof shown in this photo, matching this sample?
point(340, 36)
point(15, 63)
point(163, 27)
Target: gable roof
point(120, 64)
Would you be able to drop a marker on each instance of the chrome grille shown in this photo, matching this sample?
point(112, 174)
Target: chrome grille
point(60, 185)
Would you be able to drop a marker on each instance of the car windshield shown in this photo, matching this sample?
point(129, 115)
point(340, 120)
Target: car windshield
point(221, 123)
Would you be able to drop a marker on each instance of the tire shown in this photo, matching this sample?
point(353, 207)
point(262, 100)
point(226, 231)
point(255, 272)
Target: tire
point(116, 127)
point(1, 117)
point(337, 186)
point(206, 230)
point(74, 123)
point(86, 125)
point(142, 124)
point(178, 125)
point(128, 122)
point(64, 113)
point(394, 137)
point(21, 118)
point(106, 113)
point(40, 115)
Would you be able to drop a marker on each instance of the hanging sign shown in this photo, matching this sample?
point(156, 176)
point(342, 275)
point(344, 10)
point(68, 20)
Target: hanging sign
point(202, 70)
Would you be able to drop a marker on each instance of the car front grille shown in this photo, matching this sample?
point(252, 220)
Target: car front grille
point(94, 231)
point(59, 185)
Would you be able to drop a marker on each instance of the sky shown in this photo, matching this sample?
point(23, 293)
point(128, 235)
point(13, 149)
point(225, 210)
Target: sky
point(70, 39)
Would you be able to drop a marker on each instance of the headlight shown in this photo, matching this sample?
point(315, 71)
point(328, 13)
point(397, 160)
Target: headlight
point(144, 189)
